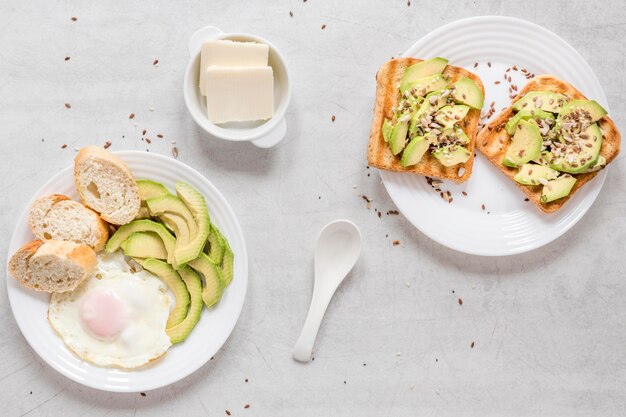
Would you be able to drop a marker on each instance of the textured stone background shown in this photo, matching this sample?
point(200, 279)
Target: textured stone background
point(549, 326)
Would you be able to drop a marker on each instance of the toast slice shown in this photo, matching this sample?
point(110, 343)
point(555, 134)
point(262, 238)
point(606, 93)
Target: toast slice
point(52, 266)
point(106, 185)
point(387, 96)
point(493, 140)
point(57, 217)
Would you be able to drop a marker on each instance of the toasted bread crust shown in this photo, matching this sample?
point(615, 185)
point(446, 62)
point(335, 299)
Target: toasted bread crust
point(387, 96)
point(493, 140)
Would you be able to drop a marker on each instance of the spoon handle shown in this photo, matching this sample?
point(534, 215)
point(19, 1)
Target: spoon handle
point(303, 349)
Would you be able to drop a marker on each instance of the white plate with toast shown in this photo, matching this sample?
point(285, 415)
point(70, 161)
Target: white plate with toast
point(30, 308)
point(488, 215)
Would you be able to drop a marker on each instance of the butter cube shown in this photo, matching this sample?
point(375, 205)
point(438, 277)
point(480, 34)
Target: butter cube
point(237, 94)
point(226, 53)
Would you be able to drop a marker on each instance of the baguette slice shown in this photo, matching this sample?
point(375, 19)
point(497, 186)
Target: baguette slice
point(57, 217)
point(493, 140)
point(106, 185)
point(387, 96)
point(52, 266)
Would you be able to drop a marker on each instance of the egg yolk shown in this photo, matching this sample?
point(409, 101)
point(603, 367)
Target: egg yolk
point(103, 314)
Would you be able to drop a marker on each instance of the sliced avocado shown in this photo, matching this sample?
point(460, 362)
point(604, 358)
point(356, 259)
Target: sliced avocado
point(525, 145)
point(432, 102)
point(144, 245)
point(228, 264)
point(165, 271)
point(448, 116)
point(451, 135)
point(423, 86)
point(179, 226)
point(558, 188)
point(595, 110)
point(151, 189)
point(215, 245)
point(452, 155)
point(197, 205)
point(213, 279)
point(466, 91)
point(414, 151)
point(600, 164)
point(542, 100)
point(577, 161)
point(193, 282)
point(397, 141)
point(387, 127)
point(511, 125)
point(533, 174)
point(173, 205)
point(423, 69)
point(143, 226)
point(544, 159)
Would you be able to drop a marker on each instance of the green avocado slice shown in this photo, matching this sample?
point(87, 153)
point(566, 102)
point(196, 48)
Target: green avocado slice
point(533, 174)
point(423, 69)
point(387, 127)
point(414, 151)
point(541, 100)
point(213, 281)
point(511, 125)
point(423, 86)
point(573, 162)
point(397, 141)
point(452, 155)
point(198, 208)
point(193, 282)
point(466, 91)
point(144, 245)
point(165, 271)
point(558, 188)
point(448, 116)
point(525, 145)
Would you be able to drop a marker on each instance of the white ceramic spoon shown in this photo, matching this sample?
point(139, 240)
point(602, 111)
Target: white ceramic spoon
point(338, 248)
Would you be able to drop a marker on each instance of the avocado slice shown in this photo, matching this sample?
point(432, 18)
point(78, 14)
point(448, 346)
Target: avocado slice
point(544, 158)
point(448, 116)
point(590, 143)
point(193, 282)
point(595, 110)
point(558, 188)
point(452, 155)
point(448, 136)
point(527, 114)
point(423, 69)
point(143, 213)
point(541, 100)
point(213, 280)
point(397, 141)
point(387, 127)
point(198, 208)
point(144, 245)
point(228, 264)
point(142, 226)
point(215, 245)
point(414, 151)
point(165, 271)
point(525, 145)
point(466, 91)
point(425, 85)
point(533, 174)
point(151, 189)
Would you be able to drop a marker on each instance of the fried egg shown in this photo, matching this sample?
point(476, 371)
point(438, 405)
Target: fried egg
point(114, 318)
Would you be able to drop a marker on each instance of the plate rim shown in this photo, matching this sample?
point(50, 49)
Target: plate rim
point(40, 350)
point(598, 180)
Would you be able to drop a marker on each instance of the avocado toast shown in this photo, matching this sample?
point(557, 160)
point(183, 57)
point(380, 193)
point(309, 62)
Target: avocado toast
point(550, 141)
point(425, 118)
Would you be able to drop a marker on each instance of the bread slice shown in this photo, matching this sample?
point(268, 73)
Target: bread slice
point(106, 185)
point(388, 96)
point(57, 217)
point(493, 140)
point(52, 266)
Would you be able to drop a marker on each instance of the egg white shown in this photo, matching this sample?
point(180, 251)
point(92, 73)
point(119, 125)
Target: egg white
point(148, 302)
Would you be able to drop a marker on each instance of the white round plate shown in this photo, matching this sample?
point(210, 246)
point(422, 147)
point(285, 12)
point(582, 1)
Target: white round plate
point(30, 308)
point(508, 225)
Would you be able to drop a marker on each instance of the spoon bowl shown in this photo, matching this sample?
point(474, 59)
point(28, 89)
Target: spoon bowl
point(336, 252)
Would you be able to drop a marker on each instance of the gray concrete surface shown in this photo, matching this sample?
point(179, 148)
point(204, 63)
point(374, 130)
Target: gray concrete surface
point(549, 326)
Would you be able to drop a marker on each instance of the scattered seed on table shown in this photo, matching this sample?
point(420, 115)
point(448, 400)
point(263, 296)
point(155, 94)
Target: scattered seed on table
point(460, 302)
point(67, 58)
point(395, 242)
point(131, 116)
point(108, 144)
point(291, 14)
point(333, 118)
point(160, 136)
point(64, 146)
point(156, 62)
point(323, 27)
point(68, 106)
point(489, 64)
point(74, 18)
point(472, 345)
point(175, 154)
